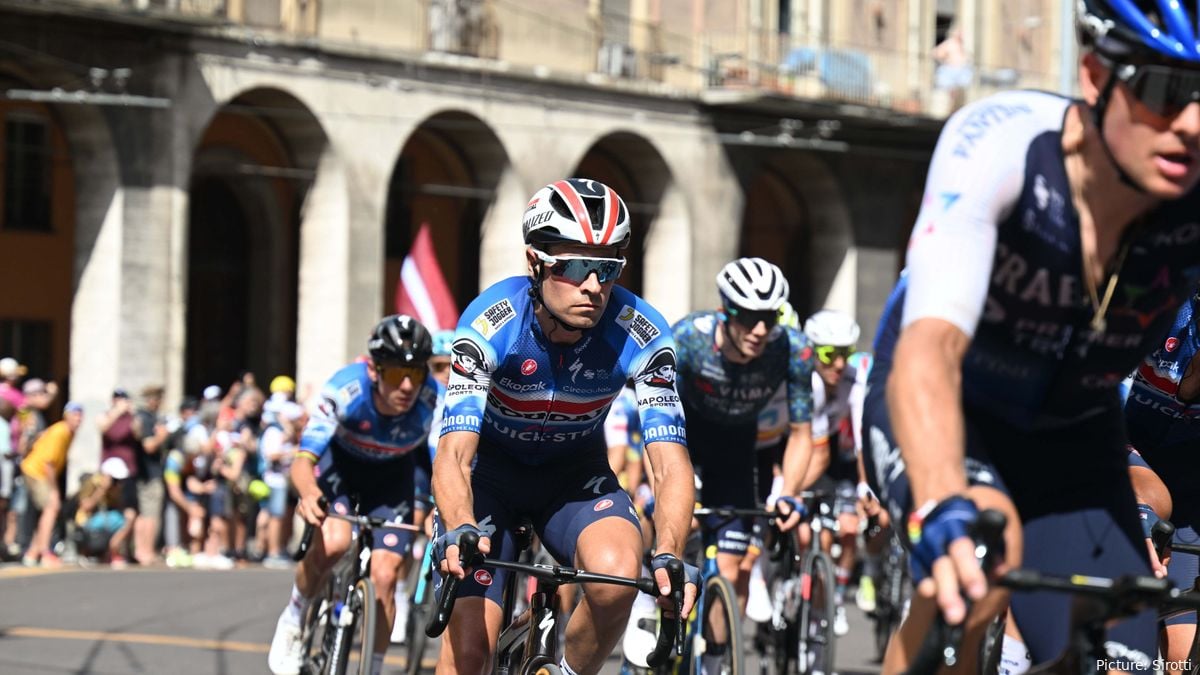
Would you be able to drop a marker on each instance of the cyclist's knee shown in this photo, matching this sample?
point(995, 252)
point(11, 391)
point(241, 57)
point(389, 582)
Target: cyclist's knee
point(616, 561)
point(384, 577)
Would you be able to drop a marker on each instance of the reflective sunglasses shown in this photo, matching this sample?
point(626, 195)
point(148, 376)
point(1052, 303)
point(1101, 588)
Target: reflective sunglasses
point(576, 269)
point(394, 376)
point(1164, 90)
point(750, 318)
point(827, 354)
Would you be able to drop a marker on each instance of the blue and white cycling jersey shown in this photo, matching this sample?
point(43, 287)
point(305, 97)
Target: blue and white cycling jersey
point(346, 419)
point(539, 401)
point(621, 426)
point(996, 252)
point(1154, 414)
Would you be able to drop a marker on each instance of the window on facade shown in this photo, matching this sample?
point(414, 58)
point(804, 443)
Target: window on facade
point(26, 174)
point(785, 16)
point(28, 342)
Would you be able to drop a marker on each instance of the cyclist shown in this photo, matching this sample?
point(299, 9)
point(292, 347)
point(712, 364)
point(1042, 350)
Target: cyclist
point(537, 362)
point(1162, 415)
point(731, 362)
point(998, 352)
point(839, 385)
point(372, 419)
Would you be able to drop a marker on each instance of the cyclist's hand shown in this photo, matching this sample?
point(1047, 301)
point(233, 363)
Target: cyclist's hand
point(867, 500)
point(943, 556)
point(310, 509)
point(445, 549)
point(1158, 565)
point(791, 511)
point(691, 586)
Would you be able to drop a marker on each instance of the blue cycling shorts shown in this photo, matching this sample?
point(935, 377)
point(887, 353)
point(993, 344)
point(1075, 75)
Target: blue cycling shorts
point(384, 490)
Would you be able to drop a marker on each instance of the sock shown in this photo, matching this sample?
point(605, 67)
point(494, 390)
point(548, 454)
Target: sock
point(296, 606)
point(842, 576)
point(567, 670)
point(402, 597)
point(1014, 657)
point(376, 663)
point(710, 664)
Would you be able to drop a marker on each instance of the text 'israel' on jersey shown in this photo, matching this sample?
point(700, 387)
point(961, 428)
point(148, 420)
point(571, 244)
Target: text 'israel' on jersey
point(540, 401)
point(735, 393)
point(996, 252)
point(1154, 413)
point(346, 420)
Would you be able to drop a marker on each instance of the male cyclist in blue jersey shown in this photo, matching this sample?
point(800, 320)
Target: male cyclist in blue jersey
point(538, 360)
point(731, 363)
point(1056, 240)
point(372, 420)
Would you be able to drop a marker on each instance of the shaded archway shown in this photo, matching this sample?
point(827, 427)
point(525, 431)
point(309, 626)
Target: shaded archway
point(446, 177)
point(252, 168)
point(775, 228)
point(629, 164)
point(37, 235)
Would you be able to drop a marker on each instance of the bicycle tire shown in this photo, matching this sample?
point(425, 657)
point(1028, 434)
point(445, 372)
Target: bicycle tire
point(817, 643)
point(419, 609)
point(720, 597)
point(314, 627)
point(362, 628)
point(991, 646)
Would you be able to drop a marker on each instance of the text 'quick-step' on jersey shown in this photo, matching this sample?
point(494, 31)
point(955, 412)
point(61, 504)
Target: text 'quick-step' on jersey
point(346, 417)
point(539, 401)
point(996, 252)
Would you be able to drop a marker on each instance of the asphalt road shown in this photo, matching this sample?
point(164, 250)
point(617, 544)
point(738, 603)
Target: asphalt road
point(187, 622)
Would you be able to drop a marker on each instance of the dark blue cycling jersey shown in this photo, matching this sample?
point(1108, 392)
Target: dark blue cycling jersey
point(539, 401)
point(734, 393)
point(1154, 413)
point(347, 420)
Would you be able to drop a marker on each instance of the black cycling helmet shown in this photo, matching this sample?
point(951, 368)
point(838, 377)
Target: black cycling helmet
point(400, 339)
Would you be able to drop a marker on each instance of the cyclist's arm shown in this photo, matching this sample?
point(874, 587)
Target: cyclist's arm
point(797, 454)
point(452, 478)
point(674, 495)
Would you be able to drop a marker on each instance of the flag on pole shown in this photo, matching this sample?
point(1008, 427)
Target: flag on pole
point(421, 291)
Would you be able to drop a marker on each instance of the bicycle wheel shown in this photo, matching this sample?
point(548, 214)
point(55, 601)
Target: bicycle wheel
point(317, 631)
point(719, 645)
point(362, 628)
point(817, 608)
point(991, 646)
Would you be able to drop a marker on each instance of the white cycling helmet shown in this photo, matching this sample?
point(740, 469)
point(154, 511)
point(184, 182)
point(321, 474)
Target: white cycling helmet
point(576, 211)
point(752, 284)
point(830, 327)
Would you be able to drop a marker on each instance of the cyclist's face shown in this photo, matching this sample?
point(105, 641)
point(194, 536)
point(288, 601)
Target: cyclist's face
point(440, 367)
point(392, 398)
point(749, 340)
point(831, 372)
point(1160, 152)
point(579, 304)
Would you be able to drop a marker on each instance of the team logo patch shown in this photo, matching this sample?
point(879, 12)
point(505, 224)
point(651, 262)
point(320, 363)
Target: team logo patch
point(660, 371)
point(364, 425)
point(467, 358)
point(529, 367)
point(806, 353)
point(340, 508)
point(603, 504)
point(483, 577)
point(640, 328)
point(1172, 344)
point(390, 539)
point(493, 318)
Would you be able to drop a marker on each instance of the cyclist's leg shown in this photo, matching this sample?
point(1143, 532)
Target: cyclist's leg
point(389, 493)
point(721, 452)
point(594, 526)
point(886, 473)
point(1179, 629)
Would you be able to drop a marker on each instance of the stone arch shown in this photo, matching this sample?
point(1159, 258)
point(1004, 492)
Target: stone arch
point(252, 169)
point(449, 175)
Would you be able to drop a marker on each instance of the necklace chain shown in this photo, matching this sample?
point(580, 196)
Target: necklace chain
point(1099, 306)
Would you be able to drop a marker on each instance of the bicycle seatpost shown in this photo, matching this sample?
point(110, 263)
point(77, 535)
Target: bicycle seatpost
point(669, 634)
point(468, 551)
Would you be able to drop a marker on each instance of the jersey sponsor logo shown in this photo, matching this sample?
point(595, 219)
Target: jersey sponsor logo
point(659, 400)
point(340, 507)
point(574, 369)
point(1172, 344)
point(549, 416)
point(390, 539)
point(640, 328)
point(660, 370)
point(602, 505)
point(483, 577)
point(456, 388)
point(493, 318)
point(460, 423)
point(513, 385)
point(536, 436)
point(979, 123)
point(349, 393)
point(466, 358)
point(663, 432)
point(529, 367)
point(364, 425)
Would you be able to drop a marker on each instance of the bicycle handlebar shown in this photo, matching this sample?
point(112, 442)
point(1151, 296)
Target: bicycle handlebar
point(468, 549)
point(307, 537)
point(1160, 536)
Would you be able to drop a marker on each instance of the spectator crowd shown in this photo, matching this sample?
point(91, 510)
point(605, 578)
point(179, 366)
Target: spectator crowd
point(204, 486)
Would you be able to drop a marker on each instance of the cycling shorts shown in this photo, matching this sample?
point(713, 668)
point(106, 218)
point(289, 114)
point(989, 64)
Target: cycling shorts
point(1176, 466)
point(561, 499)
point(384, 490)
point(724, 459)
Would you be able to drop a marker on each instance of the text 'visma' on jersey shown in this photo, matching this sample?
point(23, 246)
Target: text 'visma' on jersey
point(1154, 413)
point(346, 420)
point(996, 252)
point(734, 393)
point(539, 401)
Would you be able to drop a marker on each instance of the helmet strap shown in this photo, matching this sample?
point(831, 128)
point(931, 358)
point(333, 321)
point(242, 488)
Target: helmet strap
point(1098, 111)
point(535, 292)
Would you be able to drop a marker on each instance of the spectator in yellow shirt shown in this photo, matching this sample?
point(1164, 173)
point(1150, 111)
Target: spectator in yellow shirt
point(42, 467)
